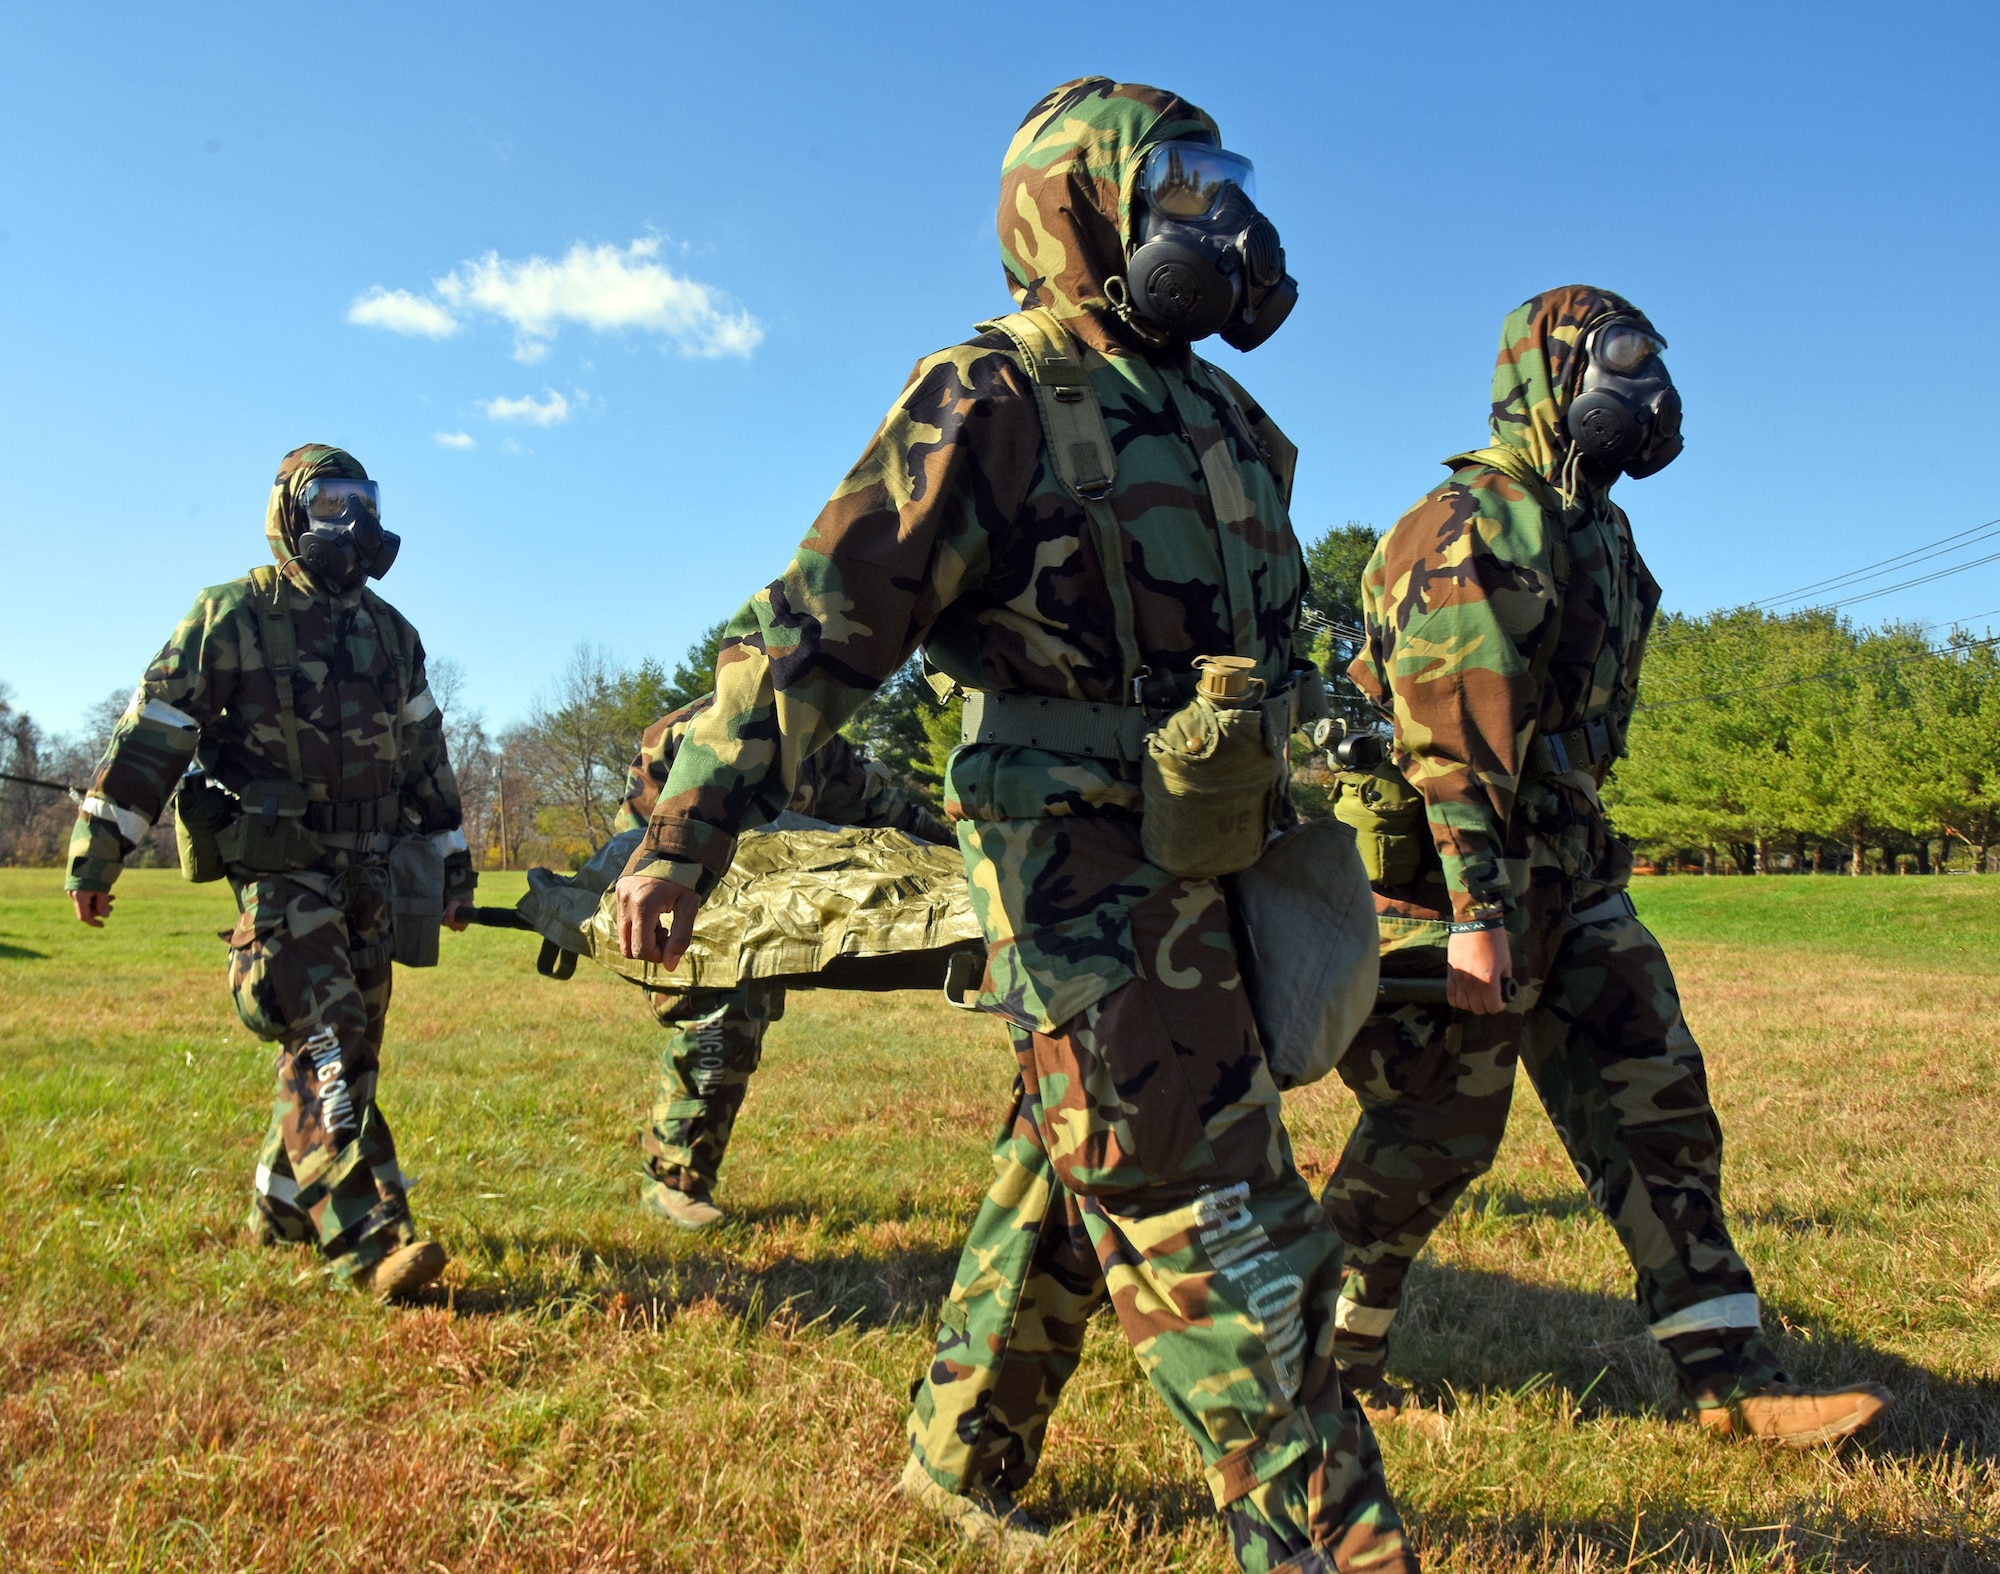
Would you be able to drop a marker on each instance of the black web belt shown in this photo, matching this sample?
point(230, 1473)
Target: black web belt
point(1028, 721)
point(1580, 749)
point(360, 814)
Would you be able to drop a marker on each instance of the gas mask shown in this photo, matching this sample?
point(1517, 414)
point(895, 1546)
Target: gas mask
point(1627, 412)
point(344, 542)
point(1206, 260)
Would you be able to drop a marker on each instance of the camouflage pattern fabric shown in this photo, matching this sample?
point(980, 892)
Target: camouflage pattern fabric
point(1511, 603)
point(1144, 1163)
point(309, 969)
point(718, 1034)
point(211, 688)
point(840, 785)
point(1502, 607)
point(1598, 1025)
point(717, 1042)
point(309, 958)
point(955, 533)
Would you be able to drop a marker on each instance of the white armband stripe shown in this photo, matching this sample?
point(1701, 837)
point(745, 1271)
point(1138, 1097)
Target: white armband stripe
point(419, 707)
point(132, 826)
point(161, 711)
point(1369, 1322)
point(1722, 1311)
point(448, 842)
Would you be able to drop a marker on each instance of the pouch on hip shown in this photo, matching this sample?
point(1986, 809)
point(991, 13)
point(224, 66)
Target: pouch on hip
point(201, 810)
point(1212, 777)
point(268, 834)
point(416, 899)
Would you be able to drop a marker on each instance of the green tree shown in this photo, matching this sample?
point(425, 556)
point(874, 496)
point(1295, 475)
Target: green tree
point(694, 673)
point(906, 729)
point(1948, 777)
point(1334, 566)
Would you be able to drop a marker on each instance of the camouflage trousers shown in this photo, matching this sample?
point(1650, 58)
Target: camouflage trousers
point(1144, 1163)
point(705, 1070)
point(1598, 1025)
point(309, 968)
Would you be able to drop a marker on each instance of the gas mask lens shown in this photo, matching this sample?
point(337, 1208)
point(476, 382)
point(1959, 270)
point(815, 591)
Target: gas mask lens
point(338, 500)
point(1185, 180)
point(1622, 349)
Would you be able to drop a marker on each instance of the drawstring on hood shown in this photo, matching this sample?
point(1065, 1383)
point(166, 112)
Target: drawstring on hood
point(1535, 378)
point(1066, 186)
point(284, 515)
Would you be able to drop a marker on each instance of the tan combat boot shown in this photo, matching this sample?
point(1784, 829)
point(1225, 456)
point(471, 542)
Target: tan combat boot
point(1382, 1401)
point(1799, 1417)
point(985, 1516)
point(683, 1201)
point(402, 1273)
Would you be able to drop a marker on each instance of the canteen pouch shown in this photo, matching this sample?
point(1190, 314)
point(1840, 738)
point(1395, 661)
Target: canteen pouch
point(1209, 783)
point(201, 809)
point(1387, 816)
point(268, 834)
point(416, 900)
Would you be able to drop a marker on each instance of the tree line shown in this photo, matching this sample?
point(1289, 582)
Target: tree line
point(1769, 742)
point(1763, 742)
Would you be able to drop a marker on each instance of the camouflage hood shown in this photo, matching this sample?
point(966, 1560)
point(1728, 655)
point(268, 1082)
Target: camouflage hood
point(1066, 188)
point(283, 516)
point(1539, 368)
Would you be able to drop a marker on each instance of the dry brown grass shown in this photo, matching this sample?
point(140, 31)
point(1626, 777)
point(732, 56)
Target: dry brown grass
point(593, 1393)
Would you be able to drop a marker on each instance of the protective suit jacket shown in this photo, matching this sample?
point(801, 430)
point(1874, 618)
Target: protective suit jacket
point(1507, 615)
point(367, 730)
point(954, 532)
point(839, 784)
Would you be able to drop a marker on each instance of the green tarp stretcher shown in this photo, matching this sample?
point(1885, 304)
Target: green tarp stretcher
point(815, 906)
point(805, 903)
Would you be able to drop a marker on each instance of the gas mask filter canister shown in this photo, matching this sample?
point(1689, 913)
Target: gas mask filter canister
point(344, 541)
point(1207, 261)
point(1627, 412)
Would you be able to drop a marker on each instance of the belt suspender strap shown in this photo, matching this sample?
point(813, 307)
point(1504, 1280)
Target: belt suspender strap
point(281, 655)
point(1080, 727)
point(1073, 423)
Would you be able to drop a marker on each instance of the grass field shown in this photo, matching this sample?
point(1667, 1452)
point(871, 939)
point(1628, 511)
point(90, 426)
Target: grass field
point(595, 1392)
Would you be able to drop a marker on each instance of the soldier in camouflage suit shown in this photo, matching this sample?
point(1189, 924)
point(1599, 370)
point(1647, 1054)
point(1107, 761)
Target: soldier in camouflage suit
point(1144, 1162)
point(718, 1034)
point(309, 959)
point(1507, 615)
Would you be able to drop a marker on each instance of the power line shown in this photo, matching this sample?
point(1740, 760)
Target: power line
point(1886, 565)
point(1697, 634)
point(1320, 623)
point(1890, 590)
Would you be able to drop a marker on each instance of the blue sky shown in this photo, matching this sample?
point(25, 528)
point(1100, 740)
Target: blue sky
point(608, 298)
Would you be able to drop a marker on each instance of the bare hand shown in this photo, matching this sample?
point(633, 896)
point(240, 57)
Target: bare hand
point(452, 921)
point(1478, 963)
point(642, 903)
point(93, 907)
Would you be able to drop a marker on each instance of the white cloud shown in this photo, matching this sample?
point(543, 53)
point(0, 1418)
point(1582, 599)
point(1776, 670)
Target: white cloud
point(607, 289)
point(552, 411)
point(401, 312)
point(456, 440)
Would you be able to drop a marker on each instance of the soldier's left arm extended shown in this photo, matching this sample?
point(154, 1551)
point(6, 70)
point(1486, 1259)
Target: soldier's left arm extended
point(430, 786)
point(1459, 601)
point(651, 762)
point(183, 690)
